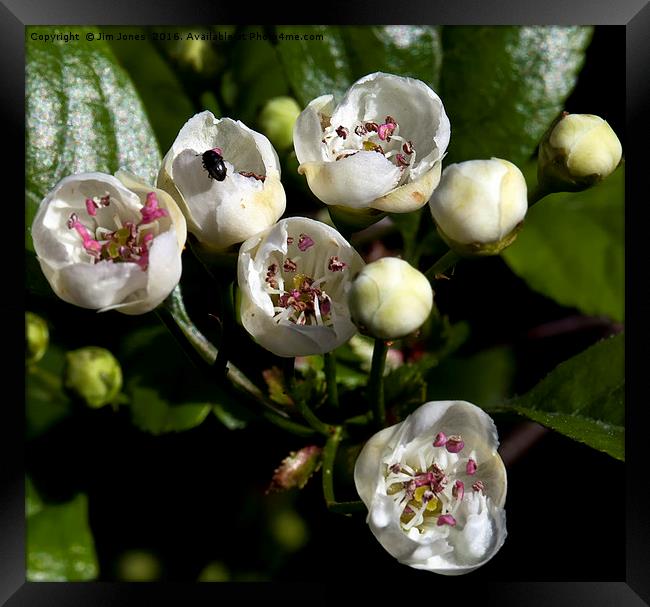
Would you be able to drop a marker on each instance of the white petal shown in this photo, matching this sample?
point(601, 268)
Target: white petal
point(416, 107)
point(308, 132)
point(368, 465)
point(354, 181)
point(163, 273)
point(257, 312)
point(99, 285)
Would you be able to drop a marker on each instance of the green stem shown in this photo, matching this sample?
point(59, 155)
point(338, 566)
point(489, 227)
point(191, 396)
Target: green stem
point(309, 416)
point(330, 378)
point(376, 382)
point(329, 457)
point(442, 265)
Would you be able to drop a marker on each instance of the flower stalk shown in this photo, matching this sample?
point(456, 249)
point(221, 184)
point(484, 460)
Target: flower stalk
point(376, 382)
point(329, 457)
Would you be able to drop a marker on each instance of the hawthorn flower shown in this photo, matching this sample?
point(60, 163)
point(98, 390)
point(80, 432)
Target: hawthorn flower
point(107, 242)
point(435, 487)
point(380, 148)
point(390, 298)
point(226, 179)
point(577, 152)
point(480, 205)
point(294, 279)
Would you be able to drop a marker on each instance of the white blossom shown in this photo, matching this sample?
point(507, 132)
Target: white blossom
point(294, 279)
point(479, 205)
point(435, 488)
point(106, 242)
point(380, 148)
point(249, 198)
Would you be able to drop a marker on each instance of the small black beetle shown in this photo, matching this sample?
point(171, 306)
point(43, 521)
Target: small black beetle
point(213, 164)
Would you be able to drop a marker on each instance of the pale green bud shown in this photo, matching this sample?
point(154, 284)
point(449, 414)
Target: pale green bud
point(389, 299)
point(37, 337)
point(94, 374)
point(277, 119)
point(138, 566)
point(479, 206)
point(577, 152)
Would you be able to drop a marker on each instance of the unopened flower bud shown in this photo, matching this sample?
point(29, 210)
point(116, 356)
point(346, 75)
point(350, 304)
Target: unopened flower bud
point(37, 337)
point(479, 206)
point(390, 299)
point(277, 119)
point(577, 152)
point(94, 374)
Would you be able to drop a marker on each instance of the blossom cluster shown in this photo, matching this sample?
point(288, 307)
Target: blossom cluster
point(434, 484)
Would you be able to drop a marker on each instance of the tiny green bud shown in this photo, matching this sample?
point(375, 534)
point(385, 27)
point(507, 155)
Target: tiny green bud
point(277, 119)
point(37, 337)
point(94, 374)
point(479, 206)
point(389, 299)
point(577, 152)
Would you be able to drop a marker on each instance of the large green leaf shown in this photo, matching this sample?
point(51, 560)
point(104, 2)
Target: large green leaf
point(582, 398)
point(314, 67)
point(60, 546)
point(404, 50)
point(82, 114)
point(167, 105)
point(153, 414)
point(484, 378)
point(502, 86)
point(571, 248)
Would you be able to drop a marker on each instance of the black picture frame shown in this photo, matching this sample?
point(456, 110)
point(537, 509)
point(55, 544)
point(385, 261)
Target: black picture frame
point(633, 14)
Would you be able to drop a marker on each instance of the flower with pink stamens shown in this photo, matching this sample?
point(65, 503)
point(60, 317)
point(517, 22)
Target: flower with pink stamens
point(418, 508)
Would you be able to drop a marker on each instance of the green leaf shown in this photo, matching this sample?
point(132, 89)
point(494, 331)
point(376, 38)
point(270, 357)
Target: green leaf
point(404, 50)
point(255, 76)
point(571, 248)
point(166, 103)
point(46, 402)
point(502, 86)
point(582, 398)
point(82, 114)
point(234, 418)
point(60, 545)
point(153, 414)
point(484, 378)
point(314, 67)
